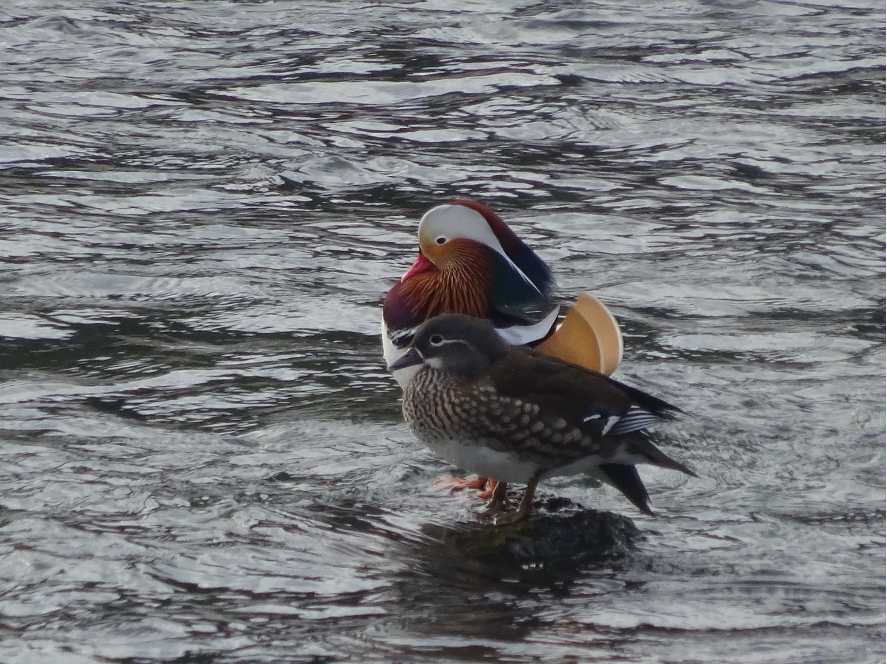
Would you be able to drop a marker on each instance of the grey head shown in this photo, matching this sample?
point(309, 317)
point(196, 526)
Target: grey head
point(454, 344)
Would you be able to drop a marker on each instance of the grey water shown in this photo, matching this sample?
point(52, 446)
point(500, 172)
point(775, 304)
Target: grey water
point(203, 204)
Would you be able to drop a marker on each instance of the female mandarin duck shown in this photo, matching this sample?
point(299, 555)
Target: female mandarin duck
point(470, 262)
point(516, 415)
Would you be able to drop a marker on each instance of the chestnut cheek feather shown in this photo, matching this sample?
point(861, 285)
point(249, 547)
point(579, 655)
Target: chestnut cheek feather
point(422, 264)
point(516, 250)
point(460, 284)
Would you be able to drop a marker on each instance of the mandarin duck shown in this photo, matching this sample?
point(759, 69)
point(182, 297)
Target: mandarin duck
point(512, 414)
point(470, 262)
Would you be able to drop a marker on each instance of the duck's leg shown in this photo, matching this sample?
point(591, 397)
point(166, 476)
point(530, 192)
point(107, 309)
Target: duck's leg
point(523, 510)
point(496, 506)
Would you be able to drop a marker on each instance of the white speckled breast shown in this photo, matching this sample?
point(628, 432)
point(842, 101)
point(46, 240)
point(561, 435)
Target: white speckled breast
point(502, 438)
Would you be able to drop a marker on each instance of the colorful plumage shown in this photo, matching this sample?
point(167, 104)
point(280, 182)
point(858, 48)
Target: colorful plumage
point(470, 262)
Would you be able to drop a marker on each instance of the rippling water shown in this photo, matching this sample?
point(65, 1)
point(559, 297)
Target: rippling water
point(202, 206)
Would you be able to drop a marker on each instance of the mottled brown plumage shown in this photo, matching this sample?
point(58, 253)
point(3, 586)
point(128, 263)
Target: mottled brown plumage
point(514, 415)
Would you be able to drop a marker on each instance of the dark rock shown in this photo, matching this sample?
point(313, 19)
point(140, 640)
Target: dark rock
point(558, 535)
point(282, 476)
point(115, 407)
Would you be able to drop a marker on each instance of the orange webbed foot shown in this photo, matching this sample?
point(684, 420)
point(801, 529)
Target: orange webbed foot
point(487, 493)
point(482, 485)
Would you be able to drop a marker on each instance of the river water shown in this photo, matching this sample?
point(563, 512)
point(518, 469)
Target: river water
point(203, 203)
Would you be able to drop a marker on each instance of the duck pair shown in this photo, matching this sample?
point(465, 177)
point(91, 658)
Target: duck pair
point(493, 384)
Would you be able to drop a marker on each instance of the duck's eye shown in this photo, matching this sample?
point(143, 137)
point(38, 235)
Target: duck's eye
point(435, 340)
point(441, 240)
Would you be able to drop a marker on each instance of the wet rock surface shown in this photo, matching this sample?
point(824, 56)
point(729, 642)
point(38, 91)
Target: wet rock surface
point(559, 534)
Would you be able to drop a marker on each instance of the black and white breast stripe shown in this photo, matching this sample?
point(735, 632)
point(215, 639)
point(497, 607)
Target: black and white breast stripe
point(402, 338)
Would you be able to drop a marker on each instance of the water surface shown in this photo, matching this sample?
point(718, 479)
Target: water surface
point(203, 204)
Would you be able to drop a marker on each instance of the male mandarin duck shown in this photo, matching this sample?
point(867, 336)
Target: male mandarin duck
point(513, 414)
point(470, 262)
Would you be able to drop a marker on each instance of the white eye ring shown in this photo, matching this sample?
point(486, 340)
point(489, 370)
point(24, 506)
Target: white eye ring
point(441, 240)
point(435, 340)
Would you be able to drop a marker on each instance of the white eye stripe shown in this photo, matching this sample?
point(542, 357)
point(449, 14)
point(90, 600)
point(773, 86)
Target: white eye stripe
point(446, 342)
